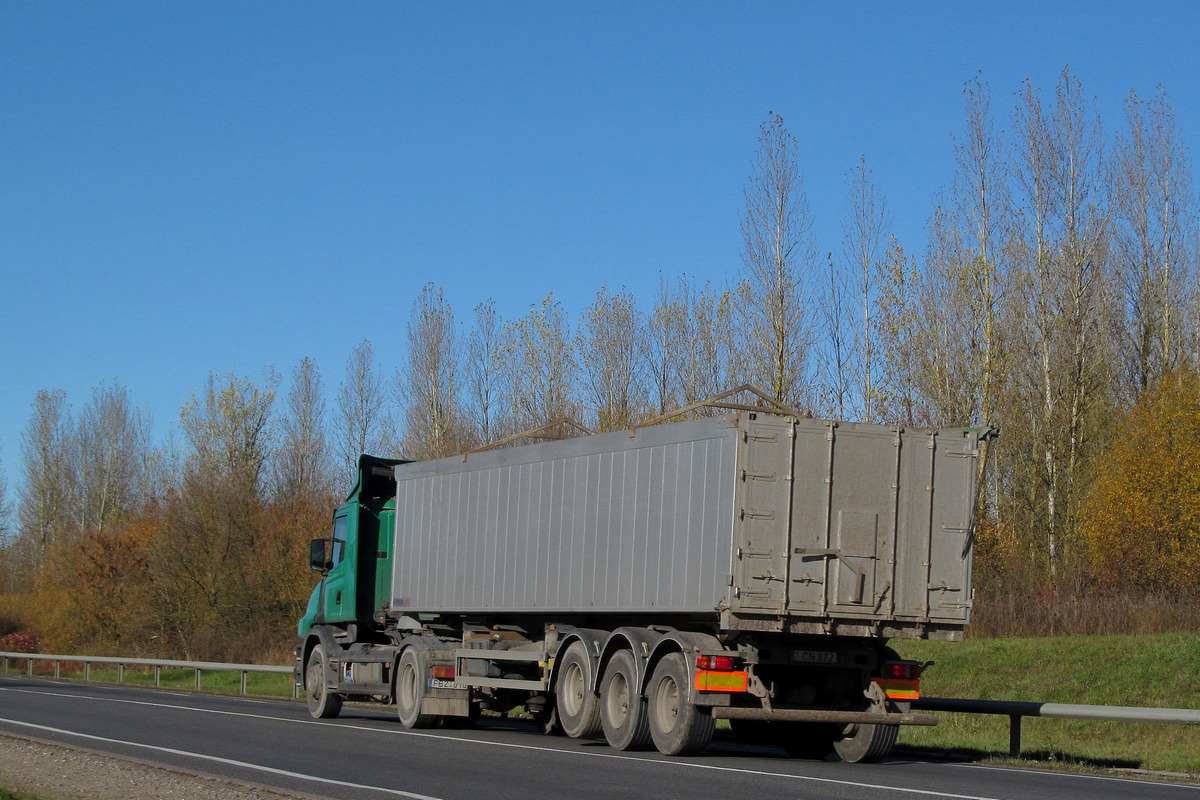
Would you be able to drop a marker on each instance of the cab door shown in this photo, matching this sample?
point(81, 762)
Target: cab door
point(338, 600)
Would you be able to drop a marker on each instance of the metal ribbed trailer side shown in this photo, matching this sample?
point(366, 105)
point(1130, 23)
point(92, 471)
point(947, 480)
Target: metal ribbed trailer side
point(607, 523)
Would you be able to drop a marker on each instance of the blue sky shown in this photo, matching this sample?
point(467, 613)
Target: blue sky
point(189, 188)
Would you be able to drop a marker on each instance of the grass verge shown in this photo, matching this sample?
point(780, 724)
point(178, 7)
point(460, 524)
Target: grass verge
point(1149, 671)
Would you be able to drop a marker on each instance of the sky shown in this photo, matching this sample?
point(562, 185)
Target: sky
point(216, 187)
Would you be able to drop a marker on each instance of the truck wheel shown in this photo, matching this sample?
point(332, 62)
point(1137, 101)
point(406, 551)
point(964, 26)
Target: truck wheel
point(622, 708)
point(677, 726)
point(410, 691)
point(321, 703)
point(578, 711)
point(866, 743)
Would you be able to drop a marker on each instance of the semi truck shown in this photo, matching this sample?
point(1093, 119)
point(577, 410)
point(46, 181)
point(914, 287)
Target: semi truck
point(745, 563)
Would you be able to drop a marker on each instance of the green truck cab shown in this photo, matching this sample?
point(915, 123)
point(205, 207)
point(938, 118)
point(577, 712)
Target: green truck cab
point(356, 560)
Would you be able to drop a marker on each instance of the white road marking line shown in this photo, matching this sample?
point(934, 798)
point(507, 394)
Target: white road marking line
point(228, 761)
point(514, 745)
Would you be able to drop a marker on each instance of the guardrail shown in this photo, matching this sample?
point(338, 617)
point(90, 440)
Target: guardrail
point(1015, 710)
point(157, 663)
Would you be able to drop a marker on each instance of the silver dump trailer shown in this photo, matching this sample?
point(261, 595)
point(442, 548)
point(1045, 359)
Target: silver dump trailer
point(641, 584)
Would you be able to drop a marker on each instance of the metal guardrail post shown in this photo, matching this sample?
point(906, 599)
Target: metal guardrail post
point(243, 683)
point(197, 679)
point(1014, 735)
point(157, 674)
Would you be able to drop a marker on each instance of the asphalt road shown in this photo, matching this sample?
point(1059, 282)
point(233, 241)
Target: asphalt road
point(365, 753)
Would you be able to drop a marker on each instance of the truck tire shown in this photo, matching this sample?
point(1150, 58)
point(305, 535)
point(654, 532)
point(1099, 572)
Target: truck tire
point(578, 709)
point(410, 691)
point(321, 703)
point(677, 726)
point(866, 743)
point(622, 708)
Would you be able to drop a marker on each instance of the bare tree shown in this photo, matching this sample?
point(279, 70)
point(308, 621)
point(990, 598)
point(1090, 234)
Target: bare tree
point(778, 258)
point(850, 369)
point(709, 354)
point(664, 335)
point(835, 359)
point(612, 352)
point(112, 439)
point(48, 485)
point(431, 384)
point(1065, 303)
point(362, 424)
point(228, 429)
point(302, 462)
point(6, 528)
point(901, 331)
point(540, 362)
point(1154, 242)
point(484, 378)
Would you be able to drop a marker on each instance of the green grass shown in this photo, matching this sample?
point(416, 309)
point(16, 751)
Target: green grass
point(8, 794)
point(1149, 671)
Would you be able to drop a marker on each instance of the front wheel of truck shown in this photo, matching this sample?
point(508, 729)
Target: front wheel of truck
point(322, 704)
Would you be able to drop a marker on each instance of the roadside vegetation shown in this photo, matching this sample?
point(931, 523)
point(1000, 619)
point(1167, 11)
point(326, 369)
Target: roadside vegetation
point(1153, 671)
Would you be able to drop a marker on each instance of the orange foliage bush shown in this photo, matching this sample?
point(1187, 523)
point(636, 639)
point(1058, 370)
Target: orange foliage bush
point(1141, 519)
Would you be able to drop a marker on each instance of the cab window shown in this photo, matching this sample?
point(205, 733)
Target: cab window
point(340, 526)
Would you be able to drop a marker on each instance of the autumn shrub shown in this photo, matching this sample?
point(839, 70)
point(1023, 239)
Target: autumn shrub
point(1141, 519)
point(20, 643)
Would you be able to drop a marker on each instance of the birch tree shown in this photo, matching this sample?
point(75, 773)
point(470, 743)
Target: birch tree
point(485, 381)
point(1065, 302)
point(540, 361)
point(302, 462)
point(778, 260)
point(430, 383)
point(612, 353)
point(1154, 242)
point(864, 238)
point(48, 484)
point(362, 423)
point(111, 441)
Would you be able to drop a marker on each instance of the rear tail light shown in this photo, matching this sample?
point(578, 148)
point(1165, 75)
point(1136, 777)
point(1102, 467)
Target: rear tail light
point(718, 663)
point(900, 680)
point(905, 670)
point(443, 673)
point(720, 673)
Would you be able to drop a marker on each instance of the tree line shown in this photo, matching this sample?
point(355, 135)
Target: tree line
point(1056, 296)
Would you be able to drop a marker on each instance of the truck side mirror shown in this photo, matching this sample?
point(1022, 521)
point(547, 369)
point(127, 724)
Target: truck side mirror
point(318, 555)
